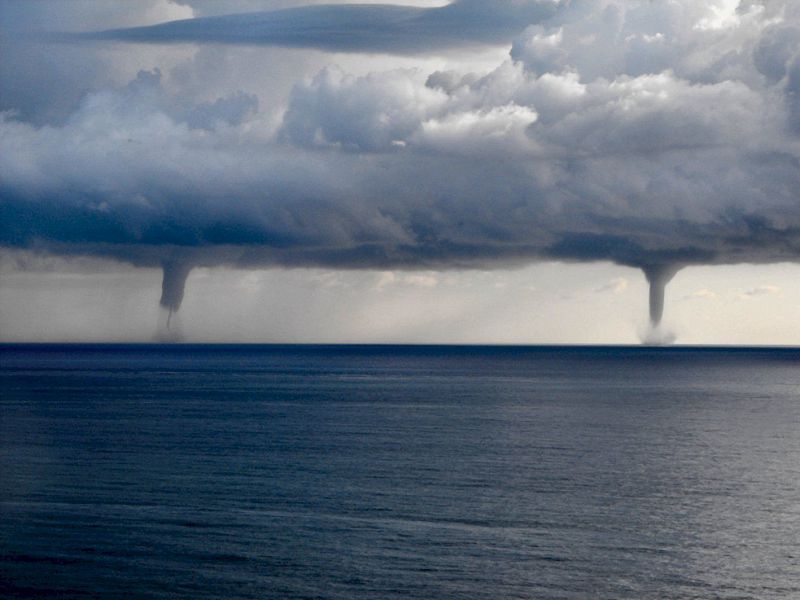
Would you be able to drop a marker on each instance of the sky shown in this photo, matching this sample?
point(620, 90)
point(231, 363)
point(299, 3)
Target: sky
point(493, 171)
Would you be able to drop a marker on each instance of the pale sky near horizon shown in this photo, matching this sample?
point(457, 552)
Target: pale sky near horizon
point(544, 303)
point(458, 179)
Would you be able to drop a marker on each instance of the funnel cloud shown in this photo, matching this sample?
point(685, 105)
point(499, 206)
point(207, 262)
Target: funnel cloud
point(658, 277)
point(654, 135)
point(175, 273)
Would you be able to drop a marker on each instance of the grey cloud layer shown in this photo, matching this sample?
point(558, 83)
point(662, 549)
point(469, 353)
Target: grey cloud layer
point(649, 134)
point(351, 28)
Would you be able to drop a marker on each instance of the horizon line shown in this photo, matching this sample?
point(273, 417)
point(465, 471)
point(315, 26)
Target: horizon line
point(677, 346)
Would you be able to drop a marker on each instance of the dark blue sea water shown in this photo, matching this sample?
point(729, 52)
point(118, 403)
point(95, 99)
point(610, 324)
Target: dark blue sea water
point(399, 472)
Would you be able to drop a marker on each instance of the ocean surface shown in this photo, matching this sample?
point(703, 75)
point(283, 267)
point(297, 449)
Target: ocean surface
point(399, 472)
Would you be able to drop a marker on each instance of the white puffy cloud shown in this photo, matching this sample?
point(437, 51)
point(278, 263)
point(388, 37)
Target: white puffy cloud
point(370, 113)
point(762, 290)
point(618, 285)
point(703, 294)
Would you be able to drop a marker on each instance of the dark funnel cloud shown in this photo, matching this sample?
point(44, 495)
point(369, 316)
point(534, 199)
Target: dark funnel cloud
point(655, 135)
point(658, 277)
point(172, 288)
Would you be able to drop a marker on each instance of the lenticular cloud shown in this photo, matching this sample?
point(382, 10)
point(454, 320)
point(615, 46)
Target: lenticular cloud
point(651, 134)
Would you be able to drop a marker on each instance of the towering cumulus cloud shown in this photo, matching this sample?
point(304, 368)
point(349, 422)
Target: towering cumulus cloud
point(651, 134)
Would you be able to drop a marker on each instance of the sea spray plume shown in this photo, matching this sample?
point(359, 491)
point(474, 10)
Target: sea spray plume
point(658, 336)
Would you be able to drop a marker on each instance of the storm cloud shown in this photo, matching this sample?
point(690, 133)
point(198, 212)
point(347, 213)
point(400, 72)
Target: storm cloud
point(651, 134)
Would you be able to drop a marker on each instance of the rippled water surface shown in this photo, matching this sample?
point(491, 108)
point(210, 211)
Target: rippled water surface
point(399, 472)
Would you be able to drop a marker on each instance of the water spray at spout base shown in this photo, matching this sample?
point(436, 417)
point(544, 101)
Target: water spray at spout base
point(658, 336)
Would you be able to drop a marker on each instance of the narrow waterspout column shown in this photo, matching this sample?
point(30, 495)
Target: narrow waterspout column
point(658, 276)
point(173, 285)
